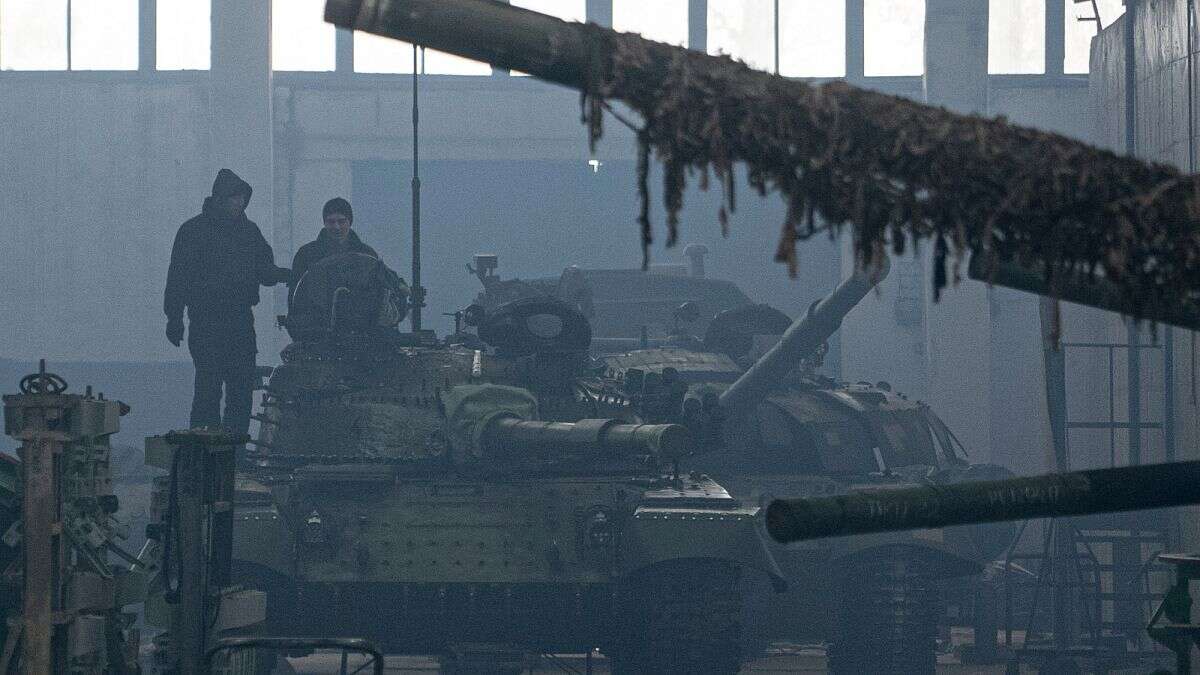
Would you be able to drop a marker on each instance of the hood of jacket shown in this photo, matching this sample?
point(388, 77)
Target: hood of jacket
point(227, 184)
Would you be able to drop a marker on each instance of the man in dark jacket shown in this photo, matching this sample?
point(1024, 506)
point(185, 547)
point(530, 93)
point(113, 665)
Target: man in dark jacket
point(335, 237)
point(219, 260)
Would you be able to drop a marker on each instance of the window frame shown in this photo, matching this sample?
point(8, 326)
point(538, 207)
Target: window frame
point(601, 12)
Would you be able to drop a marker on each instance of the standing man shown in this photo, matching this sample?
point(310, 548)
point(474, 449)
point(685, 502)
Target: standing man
point(219, 260)
point(335, 237)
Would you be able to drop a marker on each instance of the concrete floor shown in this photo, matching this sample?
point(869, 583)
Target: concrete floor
point(790, 659)
point(807, 661)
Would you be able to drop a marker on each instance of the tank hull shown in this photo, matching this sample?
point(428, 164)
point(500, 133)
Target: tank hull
point(543, 563)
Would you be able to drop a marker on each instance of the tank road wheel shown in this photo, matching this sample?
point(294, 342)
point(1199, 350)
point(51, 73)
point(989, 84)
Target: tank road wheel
point(679, 617)
point(888, 619)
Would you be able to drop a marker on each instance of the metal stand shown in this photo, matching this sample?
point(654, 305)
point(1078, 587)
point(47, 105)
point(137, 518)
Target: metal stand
point(1068, 565)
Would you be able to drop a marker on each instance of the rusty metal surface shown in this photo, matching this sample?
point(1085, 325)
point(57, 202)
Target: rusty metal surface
point(43, 551)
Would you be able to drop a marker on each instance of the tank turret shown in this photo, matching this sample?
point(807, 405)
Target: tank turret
point(346, 293)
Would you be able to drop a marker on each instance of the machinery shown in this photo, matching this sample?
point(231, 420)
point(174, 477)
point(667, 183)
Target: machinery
point(63, 598)
point(453, 498)
point(188, 553)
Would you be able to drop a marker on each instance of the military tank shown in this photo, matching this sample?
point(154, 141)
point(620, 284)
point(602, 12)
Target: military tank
point(789, 430)
point(438, 495)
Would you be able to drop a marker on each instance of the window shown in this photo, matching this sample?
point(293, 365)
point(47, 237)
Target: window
point(893, 37)
point(377, 54)
point(567, 10)
point(300, 38)
point(1079, 34)
point(743, 30)
point(33, 34)
point(812, 38)
point(1017, 36)
point(661, 20)
point(184, 34)
point(441, 63)
point(104, 34)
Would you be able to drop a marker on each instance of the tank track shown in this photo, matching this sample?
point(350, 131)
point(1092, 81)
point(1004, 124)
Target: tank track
point(679, 617)
point(888, 618)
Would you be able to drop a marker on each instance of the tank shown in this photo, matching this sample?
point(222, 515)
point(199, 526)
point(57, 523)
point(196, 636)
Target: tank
point(788, 430)
point(438, 495)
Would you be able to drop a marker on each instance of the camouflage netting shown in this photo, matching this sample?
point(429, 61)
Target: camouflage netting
point(899, 172)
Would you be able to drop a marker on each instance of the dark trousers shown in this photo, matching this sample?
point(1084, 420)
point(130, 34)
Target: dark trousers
point(223, 352)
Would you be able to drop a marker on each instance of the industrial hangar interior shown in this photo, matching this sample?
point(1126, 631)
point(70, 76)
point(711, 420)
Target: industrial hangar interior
point(599, 336)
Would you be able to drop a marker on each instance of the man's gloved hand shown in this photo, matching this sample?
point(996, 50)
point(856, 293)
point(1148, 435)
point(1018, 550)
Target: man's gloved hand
point(175, 331)
point(282, 275)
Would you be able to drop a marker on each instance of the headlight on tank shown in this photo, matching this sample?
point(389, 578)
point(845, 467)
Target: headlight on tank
point(314, 530)
point(598, 529)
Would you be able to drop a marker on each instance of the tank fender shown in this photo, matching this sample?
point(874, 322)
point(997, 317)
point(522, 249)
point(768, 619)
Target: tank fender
point(659, 534)
point(944, 561)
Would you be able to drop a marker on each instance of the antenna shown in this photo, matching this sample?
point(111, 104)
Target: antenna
point(417, 293)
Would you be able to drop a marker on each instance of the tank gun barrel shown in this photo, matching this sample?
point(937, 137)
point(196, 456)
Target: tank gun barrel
point(601, 436)
point(605, 64)
point(1073, 493)
point(497, 33)
point(801, 339)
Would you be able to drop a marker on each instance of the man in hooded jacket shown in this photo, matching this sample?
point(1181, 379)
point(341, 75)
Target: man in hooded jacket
point(219, 260)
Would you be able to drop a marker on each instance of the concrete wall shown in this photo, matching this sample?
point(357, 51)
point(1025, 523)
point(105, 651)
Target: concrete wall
point(1160, 54)
point(974, 355)
point(97, 176)
point(1017, 411)
point(99, 171)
